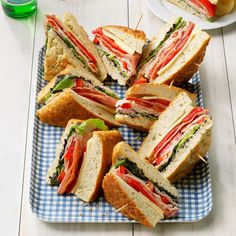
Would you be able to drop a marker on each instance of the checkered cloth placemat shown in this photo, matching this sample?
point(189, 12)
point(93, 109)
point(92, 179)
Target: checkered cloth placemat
point(195, 190)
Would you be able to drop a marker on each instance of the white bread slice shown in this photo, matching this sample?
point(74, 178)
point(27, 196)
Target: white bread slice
point(52, 168)
point(132, 204)
point(123, 150)
point(170, 117)
point(80, 72)
point(128, 39)
point(72, 24)
point(97, 161)
point(187, 157)
point(57, 56)
point(113, 72)
point(161, 91)
point(68, 105)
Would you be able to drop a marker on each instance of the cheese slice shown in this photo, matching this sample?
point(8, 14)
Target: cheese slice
point(195, 31)
point(214, 2)
point(119, 42)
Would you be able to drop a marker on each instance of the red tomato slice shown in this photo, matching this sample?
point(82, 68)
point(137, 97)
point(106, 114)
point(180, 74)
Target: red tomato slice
point(69, 151)
point(61, 176)
point(141, 80)
point(100, 35)
point(154, 104)
point(165, 200)
point(126, 106)
point(79, 83)
point(96, 41)
point(205, 5)
point(122, 170)
point(125, 65)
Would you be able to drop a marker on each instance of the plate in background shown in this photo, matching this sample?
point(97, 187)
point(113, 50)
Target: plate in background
point(166, 10)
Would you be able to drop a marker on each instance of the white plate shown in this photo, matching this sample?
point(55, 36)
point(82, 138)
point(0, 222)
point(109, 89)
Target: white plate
point(165, 10)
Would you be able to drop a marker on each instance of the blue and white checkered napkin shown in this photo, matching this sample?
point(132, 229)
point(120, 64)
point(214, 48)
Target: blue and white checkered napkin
point(195, 190)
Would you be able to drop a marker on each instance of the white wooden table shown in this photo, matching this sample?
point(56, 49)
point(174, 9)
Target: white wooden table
point(20, 43)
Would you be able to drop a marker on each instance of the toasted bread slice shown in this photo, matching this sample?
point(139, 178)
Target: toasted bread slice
point(162, 91)
point(68, 104)
point(97, 161)
point(59, 55)
point(128, 39)
point(131, 203)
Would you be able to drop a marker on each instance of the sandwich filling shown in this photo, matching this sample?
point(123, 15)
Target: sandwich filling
point(149, 108)
point(124, 62)
point(203, 8)
point(83, 87)
point(77, 47)
point(176, 139)
point(72, 153)
point(166, 51)
point(129, 172)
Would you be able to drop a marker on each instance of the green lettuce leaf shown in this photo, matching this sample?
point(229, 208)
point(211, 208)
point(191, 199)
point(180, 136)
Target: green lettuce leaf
point(88, 126)
point(177, 25)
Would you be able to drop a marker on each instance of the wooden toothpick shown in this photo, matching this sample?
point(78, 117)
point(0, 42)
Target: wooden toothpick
point(171, 83)
point(121, 208)
point(139, 20)
point(202, 158)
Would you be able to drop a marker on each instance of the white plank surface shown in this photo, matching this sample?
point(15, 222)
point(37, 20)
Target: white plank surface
point(15, 61)
point(218, 74)
point(216, 94)
point(30, 225)
point(229, 34)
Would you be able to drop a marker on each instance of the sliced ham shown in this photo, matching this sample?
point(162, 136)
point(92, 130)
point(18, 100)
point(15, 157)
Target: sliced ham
point(97, 96)
point(72, 172)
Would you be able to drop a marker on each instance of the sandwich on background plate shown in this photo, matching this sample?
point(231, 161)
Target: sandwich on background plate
point(144, 103)
point(67, 43)
point(174, 54)
point(76, 93)
point(178, 139)
point(83, 157)
point(137, 189)
point(205, 9)
point(120, 49)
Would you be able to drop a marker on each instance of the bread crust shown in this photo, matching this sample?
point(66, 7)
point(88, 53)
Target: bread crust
point(160, 90)
point(185, 73)
point(65, 107)
point(138, 34)
point(192, 159)
point(108, 139)
point(139, 123)
point(116, 196)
